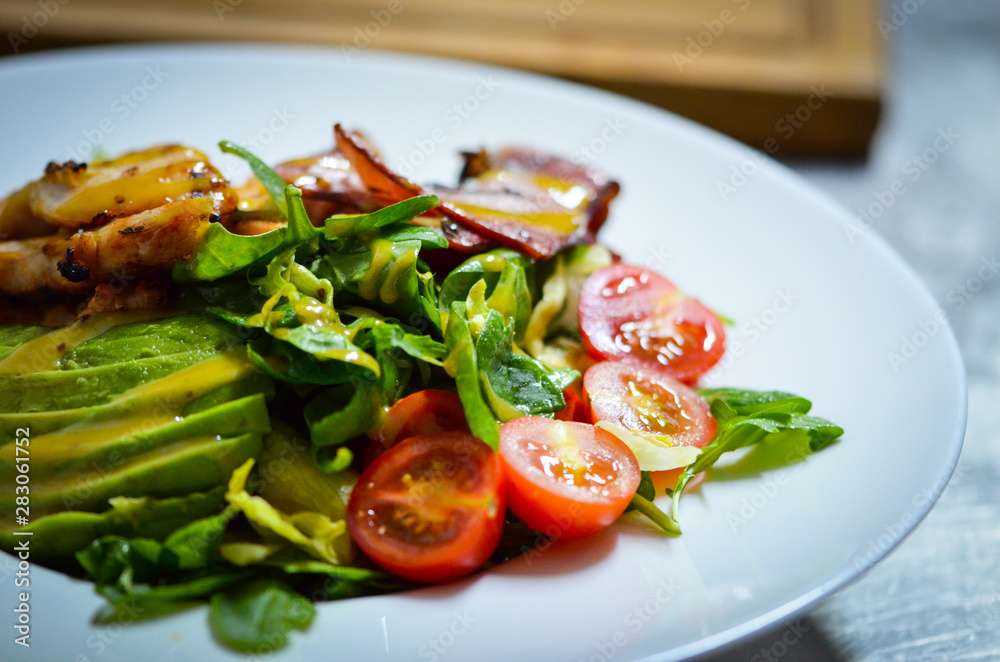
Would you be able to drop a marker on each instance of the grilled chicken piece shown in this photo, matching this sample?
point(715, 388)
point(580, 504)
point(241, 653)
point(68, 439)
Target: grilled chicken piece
point(122, 249)
point(78, 195)
point(143, 295)
point(17, 221)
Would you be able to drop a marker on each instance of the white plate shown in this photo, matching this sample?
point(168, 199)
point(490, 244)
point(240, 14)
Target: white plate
point(817, 314)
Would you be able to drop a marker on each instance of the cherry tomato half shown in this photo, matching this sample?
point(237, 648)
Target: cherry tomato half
point(646, 398)
point(424, 412)
point(633, 314)
point(566, 480)
point(431, 508)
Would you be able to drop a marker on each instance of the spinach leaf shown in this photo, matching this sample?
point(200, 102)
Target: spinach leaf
point(335, 417)
point(222, 253)
point(257, 616)
point(382, 268)
point(273, 183)
point(195, 545)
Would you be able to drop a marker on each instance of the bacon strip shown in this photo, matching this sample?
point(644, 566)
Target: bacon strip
point(533, 202)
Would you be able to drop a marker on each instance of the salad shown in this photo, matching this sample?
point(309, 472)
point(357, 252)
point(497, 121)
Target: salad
point(333, 382)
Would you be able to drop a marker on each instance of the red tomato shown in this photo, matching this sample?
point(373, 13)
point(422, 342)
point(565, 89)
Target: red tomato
point(648, 399)
point(431, 508)
point(566, 480)
point(424, 412)
point(576, 409)
point(633, 314)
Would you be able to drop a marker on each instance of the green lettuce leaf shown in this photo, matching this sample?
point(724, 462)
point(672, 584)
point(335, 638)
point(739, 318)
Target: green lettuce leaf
point(257, 616)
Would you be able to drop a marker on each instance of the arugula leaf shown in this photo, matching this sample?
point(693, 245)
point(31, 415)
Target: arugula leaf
point(345, 225)
point(257, 616)
point(747, 418)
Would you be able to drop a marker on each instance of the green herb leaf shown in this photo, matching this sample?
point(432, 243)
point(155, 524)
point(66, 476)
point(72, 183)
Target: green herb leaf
point(508, 284)
point(256, 617)
point(222, 253)
point(195, 545)
point(462, 365)
point(345, 225)
point(747, 418)
point(272, 181)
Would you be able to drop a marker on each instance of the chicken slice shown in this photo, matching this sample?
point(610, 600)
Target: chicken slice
point(123, 249)
point(78, 195)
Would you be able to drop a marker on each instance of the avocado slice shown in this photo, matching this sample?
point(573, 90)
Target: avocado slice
point(191, 465)
point(50, 421)
point(91, 447)
point(11, 337)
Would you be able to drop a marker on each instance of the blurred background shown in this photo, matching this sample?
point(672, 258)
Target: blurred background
point(852, 94)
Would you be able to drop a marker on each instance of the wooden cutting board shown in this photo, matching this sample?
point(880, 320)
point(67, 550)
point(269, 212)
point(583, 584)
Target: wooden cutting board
point(786, 76)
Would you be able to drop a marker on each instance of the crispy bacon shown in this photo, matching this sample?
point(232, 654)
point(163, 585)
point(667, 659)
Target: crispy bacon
point(534, 202)
point(329, 183)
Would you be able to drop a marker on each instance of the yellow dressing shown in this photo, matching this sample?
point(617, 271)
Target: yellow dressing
point(381, 251)
point(389, 293)
point(565, 222)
